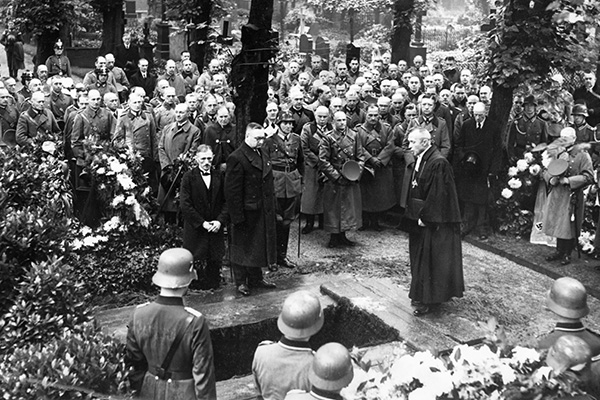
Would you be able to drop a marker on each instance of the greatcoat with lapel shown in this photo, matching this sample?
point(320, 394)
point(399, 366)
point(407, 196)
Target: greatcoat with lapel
point(250, 197)
point(31, 123)
point(312, 191)
point(377, 189)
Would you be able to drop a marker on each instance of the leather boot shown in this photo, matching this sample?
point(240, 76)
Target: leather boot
point(310, 224)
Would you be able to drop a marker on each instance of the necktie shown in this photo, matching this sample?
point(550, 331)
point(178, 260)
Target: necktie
point(205, 173)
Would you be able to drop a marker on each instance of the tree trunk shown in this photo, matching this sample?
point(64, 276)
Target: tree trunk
point(45, 46)
point(198, 37)
point(250, 68)
point(112, 27)
point(402, 30)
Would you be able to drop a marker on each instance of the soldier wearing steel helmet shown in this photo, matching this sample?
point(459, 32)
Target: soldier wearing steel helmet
point(168, 345)
point(282, 366)
point(583, 130)
point(567, 299)
point(331, 371)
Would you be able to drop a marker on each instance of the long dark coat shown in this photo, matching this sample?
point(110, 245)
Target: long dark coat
point(435, 249)
point(312, 192)
point(342, 202)
point(250, 197)
point(472, 186)
point(377, 190)
point(200, 204)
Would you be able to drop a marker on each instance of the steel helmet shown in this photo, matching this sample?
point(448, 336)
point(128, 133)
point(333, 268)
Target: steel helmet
point(301, 315)
point(175, 269)
point(331, 368)
point(568, 298)
point(580, 109)
point(568, 352)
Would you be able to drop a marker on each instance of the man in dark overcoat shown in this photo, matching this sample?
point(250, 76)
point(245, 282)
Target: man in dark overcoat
point(341, 196)
point(377, 186)
point(286, 155)
point(433, 217)
point(36, 121)
point(478, 156)
point(250, 196)
point(205, 216)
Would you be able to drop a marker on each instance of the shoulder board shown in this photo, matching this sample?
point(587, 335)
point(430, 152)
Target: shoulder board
point(142, 305)
point(195, 313)
point(266, 342)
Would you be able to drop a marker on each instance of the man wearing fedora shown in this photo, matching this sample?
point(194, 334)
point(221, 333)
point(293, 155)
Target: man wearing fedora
point(168, 345)
point(527, 131)
point(477, 149)
point(287, 158)
point(342, 161)
point(279, 367)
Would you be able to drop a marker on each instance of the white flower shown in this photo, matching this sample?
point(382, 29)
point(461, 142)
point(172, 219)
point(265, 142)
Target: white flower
point(546, 159)
point(513, 171)
point(522, 165)
point(535, 169)
point(146, 191)
point(507, 373)
point(77, 244)
point(422, 393)
point(112, 224)
point(507, 193)
point(522, 355)
point(117, 167)
point(125, 181)
point(528, 157)
point(130, 200)
point(49, 147)
point(141, 215)
point(118, 200)
point(101, 171)
point(514, 183)
point(86, 230)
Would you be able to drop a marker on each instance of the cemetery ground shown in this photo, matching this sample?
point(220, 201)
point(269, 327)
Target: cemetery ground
point(505, 278)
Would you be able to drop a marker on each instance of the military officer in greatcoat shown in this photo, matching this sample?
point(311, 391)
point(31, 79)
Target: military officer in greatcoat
point(526, 132)
point(35, 121)
point(283, 366)
point(377, 183)
point(178, 138)
point(57, 101)
point(287, 159)
point(342, 195)
point(8, 119)
point(168, 345)
point(311, 203)
point(137, 132)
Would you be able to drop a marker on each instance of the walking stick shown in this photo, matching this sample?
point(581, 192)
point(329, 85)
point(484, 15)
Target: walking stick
point(162, 205)
point(299, 233)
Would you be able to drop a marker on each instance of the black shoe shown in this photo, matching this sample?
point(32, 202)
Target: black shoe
point(555, 257)
point(566, 260)
point(333, 241)
point(286, 263)
point(376, 227)
point(273, 268)
point(243, 289)
point(415, 303)
point(422, 310)
point(263, 284)
point(307, 229)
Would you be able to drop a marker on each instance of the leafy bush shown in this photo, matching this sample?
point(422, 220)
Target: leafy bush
point(35, 207)
point(125, 262)
point(69, 366)
point(50, 299)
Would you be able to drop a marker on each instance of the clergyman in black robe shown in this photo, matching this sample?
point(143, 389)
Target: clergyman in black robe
point(434, 218)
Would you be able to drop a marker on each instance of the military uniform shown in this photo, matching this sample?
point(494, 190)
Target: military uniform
point(190, 80)
point(8, 124)
point(301, 117)
point(574, 329)
point(525, 132)
point(58, 103)
point(58, 65)
point(343, 197)
point(89, 124)
point(177, 82)
point(151, 332)
point(377, 188)
point(222, 141)
point(354, 117)
point(439, 133)
point(163, 115)
point(31, 123)
point(312, 193)
point(282, 366)
point(288, 167)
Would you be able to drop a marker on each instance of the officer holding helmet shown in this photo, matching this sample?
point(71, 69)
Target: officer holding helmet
point(168, 345)
point(331, 371)
point(285, 365)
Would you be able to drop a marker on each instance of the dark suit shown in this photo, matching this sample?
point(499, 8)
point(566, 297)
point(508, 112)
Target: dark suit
point(127, 58)
point(148, 84)
point(200, 204)
point(250, 197)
